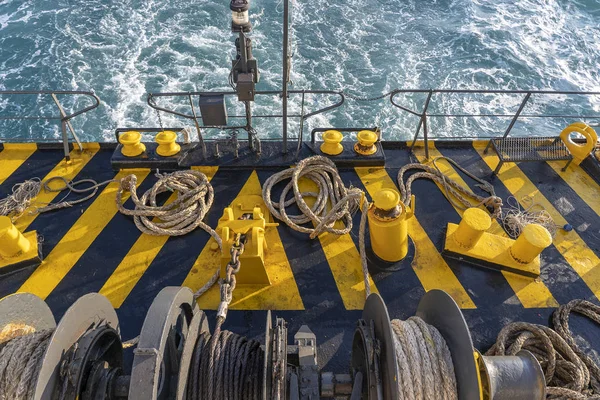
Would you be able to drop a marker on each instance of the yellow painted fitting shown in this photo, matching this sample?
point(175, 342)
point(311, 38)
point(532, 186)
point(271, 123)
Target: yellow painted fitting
point(533, 239)
point(579, 151)
point(12, 242)
point(132, 146)
point(388, 225)
point(366, 143)
point(167, 145)
point(474, 223)
point(332, 143)
point(253, 269)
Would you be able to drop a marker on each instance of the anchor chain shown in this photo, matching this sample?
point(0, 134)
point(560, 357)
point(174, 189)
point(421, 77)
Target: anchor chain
point(229, 282)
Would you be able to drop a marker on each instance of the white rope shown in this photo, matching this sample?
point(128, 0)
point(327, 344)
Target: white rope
point(19, 200)
point(517, 217)
point(424, 361)
point(330, 188)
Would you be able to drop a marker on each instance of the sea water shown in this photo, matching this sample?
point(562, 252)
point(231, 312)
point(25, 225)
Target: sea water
point(124, 49)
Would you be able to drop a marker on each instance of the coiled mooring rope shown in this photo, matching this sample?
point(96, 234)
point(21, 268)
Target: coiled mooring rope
point(569, 372)
point(424, 361)
point(20, 364)
point(226, 366)
point(460, 196)
point(330, 188)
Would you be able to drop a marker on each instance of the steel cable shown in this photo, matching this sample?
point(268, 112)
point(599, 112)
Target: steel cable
point(226, 366)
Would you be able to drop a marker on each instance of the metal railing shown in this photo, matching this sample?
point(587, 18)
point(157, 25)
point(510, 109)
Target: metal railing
point(424, 115)
point(63, 116)
point(248, 125)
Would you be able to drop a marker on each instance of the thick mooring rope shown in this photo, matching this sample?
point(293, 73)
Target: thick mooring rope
point(424, 361)
point(20, 364)
point(226, 366)
point(460, 197)
point(330, 188)
point(569, 372)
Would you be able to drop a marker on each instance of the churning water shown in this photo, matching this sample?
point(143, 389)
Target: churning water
point(122, 49)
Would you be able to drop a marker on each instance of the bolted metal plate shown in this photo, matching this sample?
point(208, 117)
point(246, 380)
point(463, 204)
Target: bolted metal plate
point(26, 310)
point(156, 360)
point(437, 308)
point(198, 325)
point(376, 311)
point(91, 309)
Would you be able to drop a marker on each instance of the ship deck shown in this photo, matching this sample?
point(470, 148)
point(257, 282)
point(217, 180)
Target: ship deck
point(91, 247)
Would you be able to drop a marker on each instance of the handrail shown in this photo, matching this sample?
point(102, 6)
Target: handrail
point(514, 117)
point(63, 117)
point(152, 103)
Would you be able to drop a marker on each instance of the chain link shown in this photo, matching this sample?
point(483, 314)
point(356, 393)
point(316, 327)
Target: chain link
point(229, 282)
point(162, 129)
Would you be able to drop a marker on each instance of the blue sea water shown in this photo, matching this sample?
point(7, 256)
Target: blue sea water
point(123, 49)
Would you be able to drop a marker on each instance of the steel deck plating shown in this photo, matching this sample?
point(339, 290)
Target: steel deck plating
point(93, 248)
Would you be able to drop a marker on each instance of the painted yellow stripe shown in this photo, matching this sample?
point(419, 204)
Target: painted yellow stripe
point(67, 170)
point(532, 293)
point(343, 258)
point(138, 259)
point(583, 260)
point(580, 182)
point(13, 156)
point(77, 240)
point(431, 269)
point(283, 292)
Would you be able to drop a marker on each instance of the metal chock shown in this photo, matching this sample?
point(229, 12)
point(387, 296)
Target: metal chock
point(249, 217)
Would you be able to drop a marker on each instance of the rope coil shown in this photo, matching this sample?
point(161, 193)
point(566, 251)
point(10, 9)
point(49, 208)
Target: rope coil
point(569, 372)
point(20, 364)
point(424, 361)
point(330, 188)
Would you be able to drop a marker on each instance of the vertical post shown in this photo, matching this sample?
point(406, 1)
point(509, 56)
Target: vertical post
point(423, 122)
point(512, 122)
point(200, 138)
point(65, 139)
point(63, 115)
point(285, 71)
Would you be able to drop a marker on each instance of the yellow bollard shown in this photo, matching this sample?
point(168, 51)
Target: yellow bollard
point(132, 146)
point(332, 143)
point(474, 223)
point(388, 227)
point(366, 143)
point(167, 145)
point(12, 242)
point(533, 239)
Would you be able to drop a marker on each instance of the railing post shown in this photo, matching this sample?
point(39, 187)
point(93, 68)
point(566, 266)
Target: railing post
point(200, 138)
point(65, 139)
point(285, 72)
point(423, 122)
point(66, 122)
point(512, 122)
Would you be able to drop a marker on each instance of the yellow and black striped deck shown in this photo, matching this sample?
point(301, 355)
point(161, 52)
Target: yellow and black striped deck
point(93, 248)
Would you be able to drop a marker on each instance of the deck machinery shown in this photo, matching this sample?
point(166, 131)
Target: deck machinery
point(307, 312)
